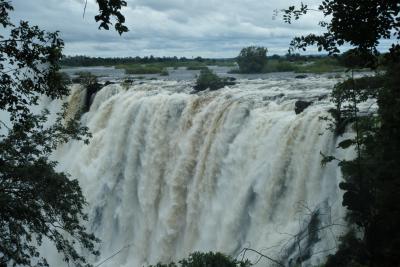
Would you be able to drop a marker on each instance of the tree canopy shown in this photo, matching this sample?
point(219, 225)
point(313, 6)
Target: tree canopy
point(361, 24)
point(252, 59)
point(36, 201)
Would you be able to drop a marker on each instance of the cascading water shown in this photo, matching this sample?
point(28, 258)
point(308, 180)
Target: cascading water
point(168, 172)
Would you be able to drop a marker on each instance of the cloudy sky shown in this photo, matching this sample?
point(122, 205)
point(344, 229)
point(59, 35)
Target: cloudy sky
point(207, 28)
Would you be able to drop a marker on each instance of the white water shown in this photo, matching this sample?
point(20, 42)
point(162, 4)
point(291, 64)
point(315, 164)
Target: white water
point(168, 173)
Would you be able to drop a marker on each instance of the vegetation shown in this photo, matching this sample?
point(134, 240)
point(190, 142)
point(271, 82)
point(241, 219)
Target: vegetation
point(151, 65)
point(146, 65)
point(142, 69)
point(210, 259)
point(109, 9)
point(209, 80)
point(300, 64)
point(252, 59)
point(372, 179)
point(36, 201)
point(163, 62)
point(164, 72)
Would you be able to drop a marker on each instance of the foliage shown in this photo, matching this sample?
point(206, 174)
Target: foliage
point(354, 58)
point(79, 61)
point(210, 259)
point(164, 72)
point(209, 80)
point(372, 179)
point(350, 252)
point(274, 65)
point(66, 79)
point(300, 64)
point(108, 9)
point(321, 65)
point(36, 201)
point(252, 59)
point(142, 69)
point(361, 24)
point(347, 95)
point(154, 65)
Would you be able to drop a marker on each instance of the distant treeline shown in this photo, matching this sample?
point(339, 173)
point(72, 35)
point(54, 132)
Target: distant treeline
point(79, 61)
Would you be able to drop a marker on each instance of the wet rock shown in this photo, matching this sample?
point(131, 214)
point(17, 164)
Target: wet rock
point(275, 97)
point(91, 91)
point(301, 76)
point(301, 105)
point(128, 81)
point(322, 97)
point(108, 83)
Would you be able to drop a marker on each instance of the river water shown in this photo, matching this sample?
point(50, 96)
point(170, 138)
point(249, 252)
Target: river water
point(169, 171)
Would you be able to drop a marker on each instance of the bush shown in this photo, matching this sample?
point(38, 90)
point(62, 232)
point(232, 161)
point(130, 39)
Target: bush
point(252, 59)
point(164, 72)
point(279, 66)
point(208, 79)
point(210, 259)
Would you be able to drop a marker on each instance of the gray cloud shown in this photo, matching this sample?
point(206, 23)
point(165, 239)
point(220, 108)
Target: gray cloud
point(209, 28)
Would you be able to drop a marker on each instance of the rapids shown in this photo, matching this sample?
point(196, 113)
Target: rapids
point(169, 172)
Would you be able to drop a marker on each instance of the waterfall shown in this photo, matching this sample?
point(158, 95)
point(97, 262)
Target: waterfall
point(169, 172)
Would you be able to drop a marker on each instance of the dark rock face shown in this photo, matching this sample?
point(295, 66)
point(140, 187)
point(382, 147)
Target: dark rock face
point(91, 91)
point(128, 81)
point(108, 83)
point(301, 105)
point(322, 97)
point(301, 76)
point(275, 97)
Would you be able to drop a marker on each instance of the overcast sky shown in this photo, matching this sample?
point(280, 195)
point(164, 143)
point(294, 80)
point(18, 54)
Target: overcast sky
point(207, 28)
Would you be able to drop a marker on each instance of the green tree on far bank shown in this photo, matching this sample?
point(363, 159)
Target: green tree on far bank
point(252, 59)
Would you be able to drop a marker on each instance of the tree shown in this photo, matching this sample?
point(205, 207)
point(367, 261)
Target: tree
point(372, 179)
point(209, 80)
point(252, 59)
point(36, 201)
